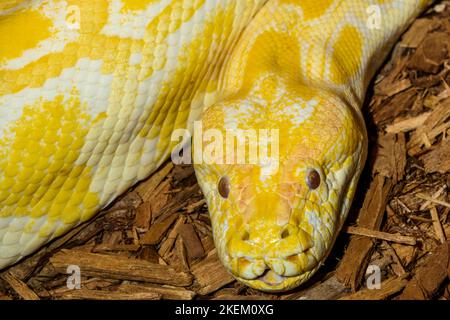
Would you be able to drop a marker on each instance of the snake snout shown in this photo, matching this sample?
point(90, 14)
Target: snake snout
point(284, 251)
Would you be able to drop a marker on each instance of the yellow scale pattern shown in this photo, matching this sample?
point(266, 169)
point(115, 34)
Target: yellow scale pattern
point(91, 92)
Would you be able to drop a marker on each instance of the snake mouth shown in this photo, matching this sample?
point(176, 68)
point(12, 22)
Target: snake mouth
point(275, 274)
point(270, 281)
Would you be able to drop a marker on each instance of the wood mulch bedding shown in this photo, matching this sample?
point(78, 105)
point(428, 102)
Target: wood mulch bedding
point(155, 242)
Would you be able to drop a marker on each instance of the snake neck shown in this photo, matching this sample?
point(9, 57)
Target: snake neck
point(336, 46)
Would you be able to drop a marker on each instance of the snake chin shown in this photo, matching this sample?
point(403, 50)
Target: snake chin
point(270, 281)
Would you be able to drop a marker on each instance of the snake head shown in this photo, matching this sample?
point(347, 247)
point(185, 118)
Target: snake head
point(276, 218)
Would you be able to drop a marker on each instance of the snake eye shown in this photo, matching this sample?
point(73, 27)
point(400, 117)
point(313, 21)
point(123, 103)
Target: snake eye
point(224, 187)
point(313, 179)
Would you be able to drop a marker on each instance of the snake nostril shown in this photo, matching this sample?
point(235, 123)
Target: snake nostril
point(245, 236)
point(286, 233)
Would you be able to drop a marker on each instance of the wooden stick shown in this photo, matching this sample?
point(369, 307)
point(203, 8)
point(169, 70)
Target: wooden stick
point(436, 195)
point(437, 225)
point(421, 219)
point(430, 199)
point(381, 235)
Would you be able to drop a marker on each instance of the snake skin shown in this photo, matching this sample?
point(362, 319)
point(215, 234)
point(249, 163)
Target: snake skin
point(91, 92)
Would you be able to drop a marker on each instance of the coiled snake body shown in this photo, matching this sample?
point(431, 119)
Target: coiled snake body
point(91, 92)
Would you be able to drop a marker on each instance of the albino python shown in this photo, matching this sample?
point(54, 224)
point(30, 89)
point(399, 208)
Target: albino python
point(91, 92)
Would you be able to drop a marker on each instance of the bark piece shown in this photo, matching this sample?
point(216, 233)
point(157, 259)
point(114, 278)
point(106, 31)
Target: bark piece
point(438, 159)
point(430, 56)
point(330, 289)
point(211, 275)
point(388, 288)
point(430, 276)
point(20, 287)
point(166, 292)
point(118, 267)
point(157, 231)
point(86, 294)
point(146, 189)
point(191, 241)
point(391, 158)
point(354, 263)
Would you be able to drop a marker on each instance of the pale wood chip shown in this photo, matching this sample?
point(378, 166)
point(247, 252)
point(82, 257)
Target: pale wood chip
point(408, 124)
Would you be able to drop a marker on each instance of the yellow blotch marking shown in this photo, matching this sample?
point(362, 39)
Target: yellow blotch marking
point(94, 15)
point(273, 52)
point(347, 54)
point(312, 9)
point(136, 5)
point(21, 31)
point(38, 174)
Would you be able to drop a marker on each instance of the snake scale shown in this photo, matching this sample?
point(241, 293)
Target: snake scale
point(91, 92)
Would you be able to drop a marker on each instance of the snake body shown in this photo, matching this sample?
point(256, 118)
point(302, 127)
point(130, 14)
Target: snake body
point(91, 92)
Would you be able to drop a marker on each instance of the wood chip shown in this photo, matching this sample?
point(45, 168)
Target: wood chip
point(20, 287)
point(429, 276)
point(354, 263)
point(408, 124)
point(146, 188)
point(210, 274)
point(167, 245)
point(434, 125)
point(118, 267)
point(435, 196)
point(391, 160)
point(388, 288)
point(438, 160)
point(143, 216)
point(397, 266)
point(85, 294)
point(157, 231)
point(430, 199)
point(191, 241)
point(416, 34)
point(440, 235)
point(329, 289)
point(166, 292)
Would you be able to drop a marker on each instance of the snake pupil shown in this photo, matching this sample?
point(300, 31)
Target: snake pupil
point(224, 187)
point(313, 179)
